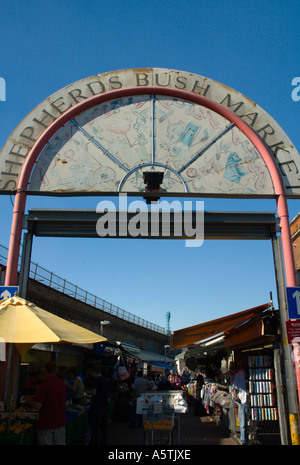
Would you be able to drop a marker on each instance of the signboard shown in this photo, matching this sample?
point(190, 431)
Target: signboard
point(293, 331)
point(6, 292)
point(105, 148)
point(293, 300)
point(168, 399)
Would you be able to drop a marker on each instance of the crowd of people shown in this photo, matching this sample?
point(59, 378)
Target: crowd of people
point(95, 390)
point(58, 386)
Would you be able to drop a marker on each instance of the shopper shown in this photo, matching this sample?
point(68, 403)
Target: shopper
point(164, 384)
point(240, 396)
point(198, 400)
point(51, 403)
point(151, 380)
point(171, 379)
point(75, 385)
point(98, 389)
point(140, 385)
point(177, 381)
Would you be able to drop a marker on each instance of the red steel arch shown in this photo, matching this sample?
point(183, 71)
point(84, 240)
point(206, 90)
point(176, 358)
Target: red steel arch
point(23, 182)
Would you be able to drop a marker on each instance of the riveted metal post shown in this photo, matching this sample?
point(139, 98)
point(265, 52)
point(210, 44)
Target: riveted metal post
point(289, 374)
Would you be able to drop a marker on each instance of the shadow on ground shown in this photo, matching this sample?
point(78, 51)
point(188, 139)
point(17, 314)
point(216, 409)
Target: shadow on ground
point(194, 430)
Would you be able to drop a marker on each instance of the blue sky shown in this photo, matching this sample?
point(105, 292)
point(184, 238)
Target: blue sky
point(252, 47)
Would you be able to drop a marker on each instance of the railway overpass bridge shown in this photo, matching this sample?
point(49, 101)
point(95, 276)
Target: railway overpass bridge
point(69, 301)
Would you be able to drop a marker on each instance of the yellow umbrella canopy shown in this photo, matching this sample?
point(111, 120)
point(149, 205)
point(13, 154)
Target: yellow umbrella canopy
point(22, 322)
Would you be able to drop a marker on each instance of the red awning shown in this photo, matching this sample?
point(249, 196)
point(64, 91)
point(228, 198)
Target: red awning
point(193, 334)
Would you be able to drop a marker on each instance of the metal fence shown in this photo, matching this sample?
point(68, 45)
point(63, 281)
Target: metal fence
point(54, 281)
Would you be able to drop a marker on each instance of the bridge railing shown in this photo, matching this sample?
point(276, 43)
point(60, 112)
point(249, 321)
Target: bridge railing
point(54, 281)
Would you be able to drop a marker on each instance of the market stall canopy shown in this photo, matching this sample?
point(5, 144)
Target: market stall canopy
point(152, 357)
point(213, 344)
point(164, 366)
point(129, 348)
point(25, 324)
point(193, 334)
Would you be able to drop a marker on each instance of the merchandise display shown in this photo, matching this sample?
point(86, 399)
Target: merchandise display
point(263, 415)
point(214, 393)
point(221, 398)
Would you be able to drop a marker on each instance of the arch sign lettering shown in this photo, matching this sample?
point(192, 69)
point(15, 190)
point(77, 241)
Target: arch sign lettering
point(107, 146)
point(102, 134)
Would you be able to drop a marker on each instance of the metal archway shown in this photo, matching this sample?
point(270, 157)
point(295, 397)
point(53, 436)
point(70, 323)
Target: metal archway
point(27, 168)
point(279, 192)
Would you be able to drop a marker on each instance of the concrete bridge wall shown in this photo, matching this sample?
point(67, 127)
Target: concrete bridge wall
point(89, 317)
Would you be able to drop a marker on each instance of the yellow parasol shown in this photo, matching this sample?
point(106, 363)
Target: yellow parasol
point(24, 324)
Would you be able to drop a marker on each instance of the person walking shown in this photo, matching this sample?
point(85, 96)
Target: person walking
point(51, 403)
point(199, 410)
point(98, 389)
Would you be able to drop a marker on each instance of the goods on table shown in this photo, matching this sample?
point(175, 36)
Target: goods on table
point(16, 427)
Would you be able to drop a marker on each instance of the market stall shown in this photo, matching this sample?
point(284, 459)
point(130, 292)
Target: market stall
point(250, 336)
point(119, 366)
point(23, 325)
point(256, 344)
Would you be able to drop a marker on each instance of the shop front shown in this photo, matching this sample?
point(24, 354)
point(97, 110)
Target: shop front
point(255, 343)
point(33, 338)
point(18, 424)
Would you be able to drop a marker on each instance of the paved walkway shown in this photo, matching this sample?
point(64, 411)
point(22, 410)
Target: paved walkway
point(193, 431)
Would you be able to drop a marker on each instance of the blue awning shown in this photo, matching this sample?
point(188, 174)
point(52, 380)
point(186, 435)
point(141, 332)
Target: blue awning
point(166, 366)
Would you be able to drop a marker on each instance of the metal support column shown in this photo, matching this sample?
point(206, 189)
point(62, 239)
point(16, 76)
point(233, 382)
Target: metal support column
point(25, 264)
point(290, 381)
point(282, 414)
